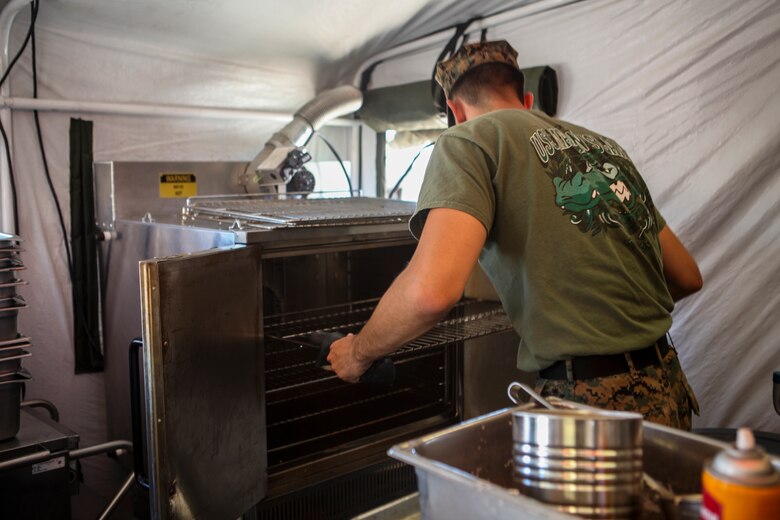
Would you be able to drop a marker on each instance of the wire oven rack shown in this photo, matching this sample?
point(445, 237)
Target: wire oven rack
point(290, 364)
point(270, 213)
point(309, 409)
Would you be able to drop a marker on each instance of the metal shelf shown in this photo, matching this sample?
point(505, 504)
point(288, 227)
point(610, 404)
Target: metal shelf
point(461, 329)
point(309, 409)
point(290, 363)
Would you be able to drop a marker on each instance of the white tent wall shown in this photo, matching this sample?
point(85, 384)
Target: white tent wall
point(689, 89)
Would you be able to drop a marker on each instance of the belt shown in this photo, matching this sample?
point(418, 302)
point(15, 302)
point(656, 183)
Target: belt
point(590, 367)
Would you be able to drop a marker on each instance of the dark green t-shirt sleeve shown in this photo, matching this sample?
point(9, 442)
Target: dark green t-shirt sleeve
point(659, 219)
point(459, 176)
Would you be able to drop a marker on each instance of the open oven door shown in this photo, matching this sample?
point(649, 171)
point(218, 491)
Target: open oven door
point(203, 383)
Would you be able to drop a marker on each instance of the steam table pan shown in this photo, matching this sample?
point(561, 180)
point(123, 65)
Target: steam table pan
point(465, 471)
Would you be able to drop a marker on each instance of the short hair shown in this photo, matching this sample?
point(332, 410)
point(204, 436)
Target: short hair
point(478, 82)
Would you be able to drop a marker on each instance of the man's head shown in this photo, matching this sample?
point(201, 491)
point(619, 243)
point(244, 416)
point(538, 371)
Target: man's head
point(481, 77)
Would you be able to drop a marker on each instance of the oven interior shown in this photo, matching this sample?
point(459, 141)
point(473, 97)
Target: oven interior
point(320, 428)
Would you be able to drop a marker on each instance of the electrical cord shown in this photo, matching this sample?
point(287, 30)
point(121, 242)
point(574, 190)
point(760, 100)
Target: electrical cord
point(338, 158)
point(46, 171)
point(408, 169)
point(33, 16)
point(12, 177)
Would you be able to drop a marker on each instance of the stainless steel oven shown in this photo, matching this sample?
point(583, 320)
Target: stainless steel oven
point(238, 412)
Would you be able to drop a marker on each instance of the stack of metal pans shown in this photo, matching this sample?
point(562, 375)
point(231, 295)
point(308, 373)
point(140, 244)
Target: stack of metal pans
point(586, 463)
point(13, 346)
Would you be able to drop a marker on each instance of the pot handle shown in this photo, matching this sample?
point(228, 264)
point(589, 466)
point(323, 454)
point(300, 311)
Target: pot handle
point(514, 395)
point(553, 403)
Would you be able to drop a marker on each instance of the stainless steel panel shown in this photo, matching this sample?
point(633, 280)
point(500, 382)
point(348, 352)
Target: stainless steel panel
point(489, 362)
point(204, 384)
point(129, 190)
point(489, 367)
point(136, 241)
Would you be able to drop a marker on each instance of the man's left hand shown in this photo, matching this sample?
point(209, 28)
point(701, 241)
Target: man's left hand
point(345, 359)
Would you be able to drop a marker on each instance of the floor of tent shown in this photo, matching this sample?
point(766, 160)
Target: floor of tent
point(88, 504)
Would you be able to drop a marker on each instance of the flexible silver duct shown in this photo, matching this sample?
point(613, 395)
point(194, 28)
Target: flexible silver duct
point(326, 106)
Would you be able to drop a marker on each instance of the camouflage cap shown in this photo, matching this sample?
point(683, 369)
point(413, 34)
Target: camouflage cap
point(471, 55)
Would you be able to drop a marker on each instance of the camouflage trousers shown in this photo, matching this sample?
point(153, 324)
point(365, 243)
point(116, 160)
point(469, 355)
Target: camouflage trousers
point(661, 393)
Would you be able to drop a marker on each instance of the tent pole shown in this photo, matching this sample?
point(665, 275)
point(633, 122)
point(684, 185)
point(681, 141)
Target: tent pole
point(152, 110)
point(6, 22)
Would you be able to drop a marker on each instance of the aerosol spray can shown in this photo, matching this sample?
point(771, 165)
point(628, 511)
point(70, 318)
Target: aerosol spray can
point(740, 483)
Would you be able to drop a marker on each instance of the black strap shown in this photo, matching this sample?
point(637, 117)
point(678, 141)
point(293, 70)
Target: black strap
point(437, 94)
point(365, 77)
point(86, 296)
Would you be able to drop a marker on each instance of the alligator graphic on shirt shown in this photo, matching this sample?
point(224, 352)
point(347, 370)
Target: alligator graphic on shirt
point(600, 192)
point(585, 190)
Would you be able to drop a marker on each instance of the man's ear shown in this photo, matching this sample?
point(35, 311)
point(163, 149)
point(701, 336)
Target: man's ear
point(528, 100)
point(458, 110)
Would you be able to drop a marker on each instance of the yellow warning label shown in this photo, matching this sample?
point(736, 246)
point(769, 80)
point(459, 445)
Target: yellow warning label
point(178, 185)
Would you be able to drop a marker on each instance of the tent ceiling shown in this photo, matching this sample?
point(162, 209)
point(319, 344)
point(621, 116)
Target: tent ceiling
point(326, 40)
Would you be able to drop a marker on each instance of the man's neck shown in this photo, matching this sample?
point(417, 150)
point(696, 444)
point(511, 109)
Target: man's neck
point(492, 105)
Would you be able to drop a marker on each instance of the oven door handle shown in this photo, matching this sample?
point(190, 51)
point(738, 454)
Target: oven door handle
point(135, 412)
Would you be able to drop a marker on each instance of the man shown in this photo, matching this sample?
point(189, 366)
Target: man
point(564, 226)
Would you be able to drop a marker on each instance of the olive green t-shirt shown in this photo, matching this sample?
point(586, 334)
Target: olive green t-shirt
point(572, 246)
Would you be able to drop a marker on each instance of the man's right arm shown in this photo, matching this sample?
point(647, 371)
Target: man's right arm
point(680, 270)
point(420, 296)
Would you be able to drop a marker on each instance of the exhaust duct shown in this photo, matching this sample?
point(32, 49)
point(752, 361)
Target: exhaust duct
point(276, 163)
